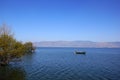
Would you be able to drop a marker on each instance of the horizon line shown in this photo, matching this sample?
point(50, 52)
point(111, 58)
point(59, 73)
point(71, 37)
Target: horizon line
point(72, 41)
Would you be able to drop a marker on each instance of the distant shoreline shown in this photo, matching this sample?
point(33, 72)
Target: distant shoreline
point(81, 47)
point(79, 44)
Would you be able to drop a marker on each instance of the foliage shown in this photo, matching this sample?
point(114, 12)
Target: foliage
point(29, 47)
point(10, 48)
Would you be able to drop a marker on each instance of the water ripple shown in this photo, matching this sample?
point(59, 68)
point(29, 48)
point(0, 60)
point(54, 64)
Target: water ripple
point(63, 64)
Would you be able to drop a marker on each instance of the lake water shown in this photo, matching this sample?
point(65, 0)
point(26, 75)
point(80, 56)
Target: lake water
point(64, 64)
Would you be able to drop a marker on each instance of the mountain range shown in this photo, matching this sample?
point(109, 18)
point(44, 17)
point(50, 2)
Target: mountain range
point(86, 44)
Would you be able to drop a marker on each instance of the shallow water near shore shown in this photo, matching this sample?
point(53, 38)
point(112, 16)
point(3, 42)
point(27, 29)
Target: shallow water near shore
point(63, 64)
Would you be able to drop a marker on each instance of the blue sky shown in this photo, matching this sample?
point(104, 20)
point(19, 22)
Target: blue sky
point(53, 20)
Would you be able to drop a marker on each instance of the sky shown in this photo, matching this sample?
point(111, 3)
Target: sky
point(66, 20)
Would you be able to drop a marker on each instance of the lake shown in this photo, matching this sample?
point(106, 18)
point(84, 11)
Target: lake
point(63, 64)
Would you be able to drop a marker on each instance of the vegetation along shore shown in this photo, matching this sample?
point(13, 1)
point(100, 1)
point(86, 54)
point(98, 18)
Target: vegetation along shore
point(10, 48)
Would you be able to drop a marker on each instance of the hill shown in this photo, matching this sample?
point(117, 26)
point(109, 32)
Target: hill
point(88, 44)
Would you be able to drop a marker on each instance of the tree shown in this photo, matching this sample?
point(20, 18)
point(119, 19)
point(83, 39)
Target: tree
point(29, 47)
point(10, 48)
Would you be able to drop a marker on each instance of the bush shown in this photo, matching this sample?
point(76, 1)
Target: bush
point(10, 48)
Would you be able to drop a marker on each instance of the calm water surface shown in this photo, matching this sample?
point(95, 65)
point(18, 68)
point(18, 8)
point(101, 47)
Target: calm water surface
point(63, 64)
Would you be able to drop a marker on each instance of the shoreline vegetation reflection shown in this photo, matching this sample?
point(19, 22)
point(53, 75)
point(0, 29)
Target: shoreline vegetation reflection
point(12, 73)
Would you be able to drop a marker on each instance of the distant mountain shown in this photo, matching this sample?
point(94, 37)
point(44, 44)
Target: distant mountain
point(88, 44)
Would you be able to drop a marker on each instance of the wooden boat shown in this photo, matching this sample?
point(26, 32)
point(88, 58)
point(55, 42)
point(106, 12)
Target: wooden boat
point(80, 52)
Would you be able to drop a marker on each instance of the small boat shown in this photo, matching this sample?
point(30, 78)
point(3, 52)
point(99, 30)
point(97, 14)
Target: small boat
point(80, 52)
